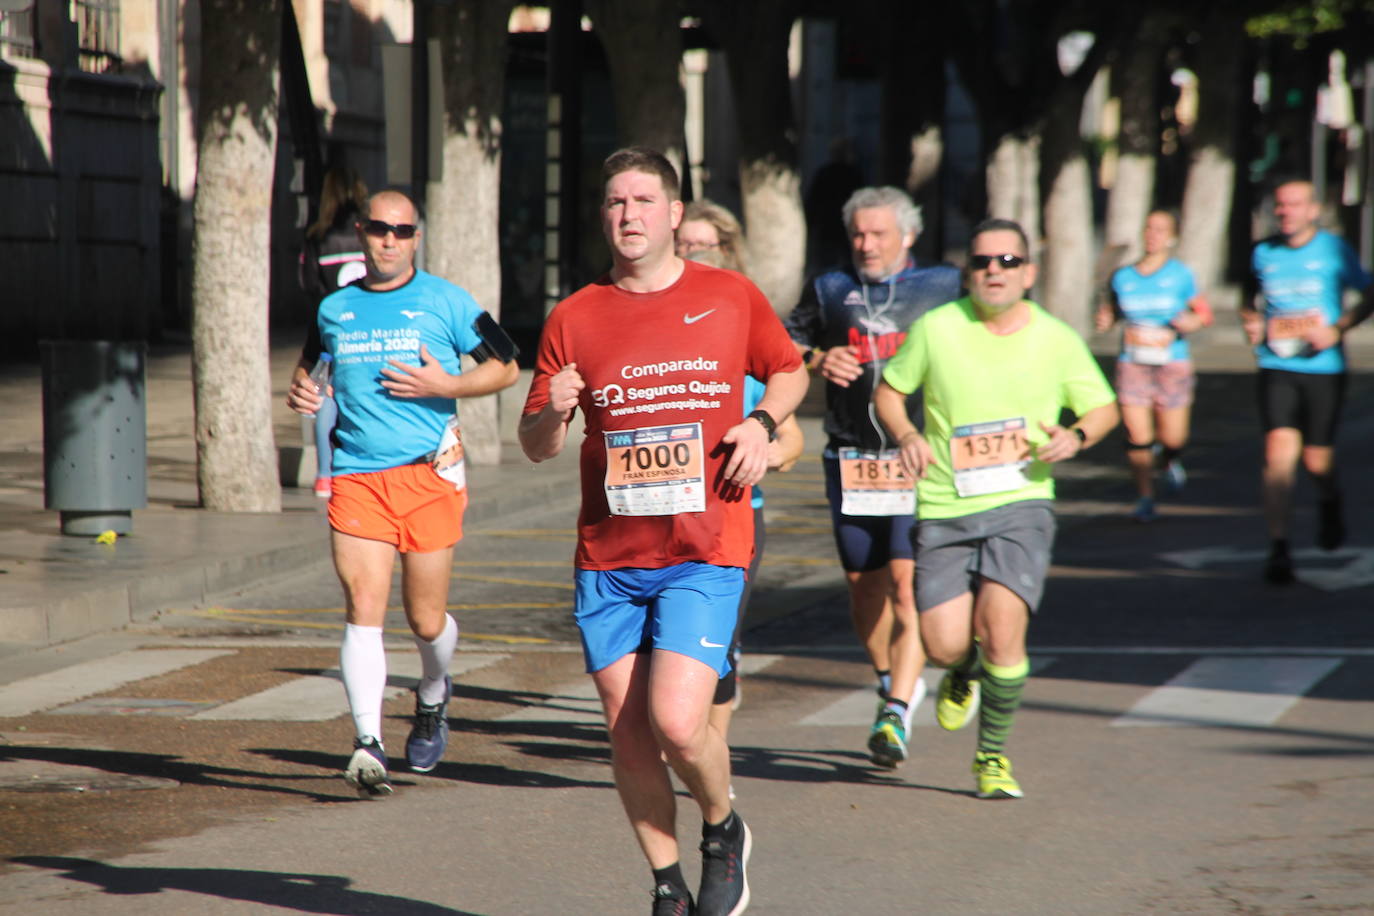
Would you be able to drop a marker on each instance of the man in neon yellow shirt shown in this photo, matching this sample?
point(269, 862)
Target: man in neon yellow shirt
point(996, 370)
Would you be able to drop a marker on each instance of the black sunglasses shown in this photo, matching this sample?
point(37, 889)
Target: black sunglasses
point(379, 229)
point(1007, 261)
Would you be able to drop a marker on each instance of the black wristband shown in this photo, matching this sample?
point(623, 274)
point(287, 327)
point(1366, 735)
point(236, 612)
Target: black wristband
point(766, 422)
point(1082, 436)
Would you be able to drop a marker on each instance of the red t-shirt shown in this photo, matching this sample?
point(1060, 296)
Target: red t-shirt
point(663, 359)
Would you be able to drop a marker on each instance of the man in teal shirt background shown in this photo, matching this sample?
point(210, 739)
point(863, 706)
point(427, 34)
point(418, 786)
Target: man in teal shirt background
point(1301, 274)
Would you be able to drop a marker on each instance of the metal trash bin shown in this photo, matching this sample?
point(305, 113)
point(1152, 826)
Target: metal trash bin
point(95, 433)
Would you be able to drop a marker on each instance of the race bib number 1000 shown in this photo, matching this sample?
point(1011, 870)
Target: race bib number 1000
point(990, 457)
point(873, 483)
point(657, 470)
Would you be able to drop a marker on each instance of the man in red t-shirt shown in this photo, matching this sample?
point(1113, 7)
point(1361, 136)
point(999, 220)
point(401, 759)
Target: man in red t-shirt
point(655, 354)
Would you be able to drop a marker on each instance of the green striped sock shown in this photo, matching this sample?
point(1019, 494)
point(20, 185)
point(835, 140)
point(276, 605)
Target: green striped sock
point(1002, 688)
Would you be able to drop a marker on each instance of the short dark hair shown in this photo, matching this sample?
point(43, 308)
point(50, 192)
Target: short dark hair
point(646, 160)
point(997, 224)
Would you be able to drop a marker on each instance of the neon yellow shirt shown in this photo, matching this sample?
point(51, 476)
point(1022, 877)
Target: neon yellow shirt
point(989, 394)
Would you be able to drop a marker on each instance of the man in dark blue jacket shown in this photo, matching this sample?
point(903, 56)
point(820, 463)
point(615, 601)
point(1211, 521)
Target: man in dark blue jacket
point(848, 324)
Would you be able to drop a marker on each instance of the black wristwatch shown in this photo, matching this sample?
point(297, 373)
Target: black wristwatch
point(1082, 436)
point(766, 421)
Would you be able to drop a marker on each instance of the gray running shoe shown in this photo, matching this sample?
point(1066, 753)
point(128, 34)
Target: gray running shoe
point(366, 770)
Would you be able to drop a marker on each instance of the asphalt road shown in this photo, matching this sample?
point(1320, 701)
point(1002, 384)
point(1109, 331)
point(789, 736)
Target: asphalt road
point(1192, 740)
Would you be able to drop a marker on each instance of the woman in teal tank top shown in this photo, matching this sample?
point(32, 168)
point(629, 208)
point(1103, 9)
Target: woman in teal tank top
point(1160, 304)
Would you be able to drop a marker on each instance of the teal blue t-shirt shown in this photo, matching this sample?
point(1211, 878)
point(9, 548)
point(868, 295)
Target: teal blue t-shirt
point(753, 393)
point(1154, 300)
point(1304, 284)
point(364, 330)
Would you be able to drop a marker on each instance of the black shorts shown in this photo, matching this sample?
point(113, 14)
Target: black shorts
point(865, 542)
point(1306, 401)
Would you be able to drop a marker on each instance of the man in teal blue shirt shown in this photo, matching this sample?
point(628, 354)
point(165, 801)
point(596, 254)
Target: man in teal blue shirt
point(1292, 313)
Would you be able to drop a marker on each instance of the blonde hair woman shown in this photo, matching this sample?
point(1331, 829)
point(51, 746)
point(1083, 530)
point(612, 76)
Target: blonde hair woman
point(710, 233)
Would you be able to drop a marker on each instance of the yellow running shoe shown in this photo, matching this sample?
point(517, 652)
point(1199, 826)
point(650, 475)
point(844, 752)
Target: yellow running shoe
point(957, 701)
point(994, 776)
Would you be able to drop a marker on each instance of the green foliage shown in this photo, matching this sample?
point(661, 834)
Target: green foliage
point(1301, 21)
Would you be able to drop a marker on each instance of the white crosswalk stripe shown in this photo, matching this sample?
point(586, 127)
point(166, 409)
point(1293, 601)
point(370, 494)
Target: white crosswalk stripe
point(1230, 691)
point(66, 685)
point(577, 701)
point(1236, 690)
point(860, 706)
point(317, 698)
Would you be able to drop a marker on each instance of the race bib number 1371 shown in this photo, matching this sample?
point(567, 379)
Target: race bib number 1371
point(990, 457)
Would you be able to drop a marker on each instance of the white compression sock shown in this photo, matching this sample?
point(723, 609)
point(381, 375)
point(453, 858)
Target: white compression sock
point(362, 661)
point(435, 657)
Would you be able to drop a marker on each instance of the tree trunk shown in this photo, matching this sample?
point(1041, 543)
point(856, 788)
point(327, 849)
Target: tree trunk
point(914, 88)
point(236, 456)
point(1135, 77)
point(1013, 183)
point(462, 241)
point(643, 43)
point(1210, 185)
point(1066, 279)
point(755, 37)
point(1009, 56)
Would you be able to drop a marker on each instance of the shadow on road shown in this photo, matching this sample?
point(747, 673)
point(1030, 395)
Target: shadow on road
point(820, 766)
point(285, 890)
point(166, 766)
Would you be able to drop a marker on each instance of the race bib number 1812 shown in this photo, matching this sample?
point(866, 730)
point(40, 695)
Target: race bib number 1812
point(873, 483)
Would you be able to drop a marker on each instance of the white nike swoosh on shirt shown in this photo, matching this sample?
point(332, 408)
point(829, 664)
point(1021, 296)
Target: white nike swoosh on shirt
point(711, 645)
point(693, 319)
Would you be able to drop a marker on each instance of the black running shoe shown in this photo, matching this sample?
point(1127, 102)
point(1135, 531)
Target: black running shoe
point(724, 882)
point(1331, 528)
point(672, 901)
point(1278, 569)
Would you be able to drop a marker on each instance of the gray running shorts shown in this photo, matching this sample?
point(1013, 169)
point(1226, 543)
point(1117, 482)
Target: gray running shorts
point(1009, 545)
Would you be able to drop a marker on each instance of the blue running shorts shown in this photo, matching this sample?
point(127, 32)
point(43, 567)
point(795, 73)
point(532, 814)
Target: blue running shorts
point(690, 608)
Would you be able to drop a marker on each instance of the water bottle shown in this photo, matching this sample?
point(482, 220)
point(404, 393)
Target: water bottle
point(321, 375)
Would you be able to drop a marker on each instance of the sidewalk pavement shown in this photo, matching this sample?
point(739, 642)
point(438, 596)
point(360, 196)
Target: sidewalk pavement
point(56, 588)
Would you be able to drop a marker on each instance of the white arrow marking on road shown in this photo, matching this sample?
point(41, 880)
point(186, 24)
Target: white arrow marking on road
point(320, 697)
point(1247, 692)
point(57, 688)
point(1357, 571)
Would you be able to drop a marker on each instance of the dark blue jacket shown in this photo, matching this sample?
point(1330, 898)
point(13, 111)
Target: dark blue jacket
point(839, 308)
